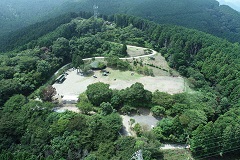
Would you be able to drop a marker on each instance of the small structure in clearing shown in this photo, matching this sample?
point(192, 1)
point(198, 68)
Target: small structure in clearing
point(96, 65)
point(69, 99)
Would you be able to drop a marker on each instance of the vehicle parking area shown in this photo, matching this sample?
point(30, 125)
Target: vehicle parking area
point(75, 84)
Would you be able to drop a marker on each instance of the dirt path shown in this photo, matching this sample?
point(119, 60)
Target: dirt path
point(174, 146)
point(133, 55)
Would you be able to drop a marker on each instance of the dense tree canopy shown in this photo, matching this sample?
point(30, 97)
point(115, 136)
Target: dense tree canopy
point(98, 93)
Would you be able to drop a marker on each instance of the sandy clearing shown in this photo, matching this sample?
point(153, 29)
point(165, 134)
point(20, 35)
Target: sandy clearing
point(145, 119)
point(174, 146)
point(67, 108)
point(134, 51)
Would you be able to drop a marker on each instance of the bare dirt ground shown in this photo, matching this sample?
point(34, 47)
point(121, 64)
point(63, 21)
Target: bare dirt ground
point(145, 119)
point(134, 51)
point(67, 108)
point(174, 146)
point(76, 84)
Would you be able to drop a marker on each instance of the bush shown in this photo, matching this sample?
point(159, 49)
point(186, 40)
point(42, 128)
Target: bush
point(158, 111)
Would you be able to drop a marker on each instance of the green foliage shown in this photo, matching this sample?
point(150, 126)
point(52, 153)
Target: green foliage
point(116, 63)
point(44, 68)
point(84, 104)
point(192, 119)
point(162, 99)
point(125, 147)
point(207, 16)
point(20, 38)
point(14, 104)
point(61, 48)
point(126, 109)
point(170, 130)
point(218, 137)
point(177, 109)
point(98, 93)
point(106, 108)
point(137, 129)
point(137, 96)
point(77, 61)
point(35, 131)
point(144, 70)
point(124, 49)
point(117, 99)
point(158, 111)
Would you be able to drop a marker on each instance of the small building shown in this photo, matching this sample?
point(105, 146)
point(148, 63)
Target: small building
point(96, 65)
point(70, 99)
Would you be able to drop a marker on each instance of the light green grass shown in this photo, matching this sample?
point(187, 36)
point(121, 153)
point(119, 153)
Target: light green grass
point(124, 75)
point(178, 154)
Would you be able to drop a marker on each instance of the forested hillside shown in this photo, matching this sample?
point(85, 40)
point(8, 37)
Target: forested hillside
point(18, 14)
point(207, 15)
point(31, 129)
point(204, 15)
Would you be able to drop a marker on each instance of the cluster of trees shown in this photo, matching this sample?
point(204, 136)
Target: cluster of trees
point(182, 113)
point(124, 100)
point(186, 118)
point(24, 71)
point(31, 130)
point(217, 138)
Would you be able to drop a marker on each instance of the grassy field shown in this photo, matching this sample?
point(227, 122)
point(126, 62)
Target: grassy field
point(177, 154)
point(124, 75)
point(134, 51)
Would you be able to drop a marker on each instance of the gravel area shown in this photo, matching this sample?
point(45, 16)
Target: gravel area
point(145, 119)
point(67, 108)
point(76, 84)
point(174, 146)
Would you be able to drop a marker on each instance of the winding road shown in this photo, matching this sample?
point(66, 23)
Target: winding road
point(128, 58)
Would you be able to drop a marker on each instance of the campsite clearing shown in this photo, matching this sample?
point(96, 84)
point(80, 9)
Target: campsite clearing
point(76, 84)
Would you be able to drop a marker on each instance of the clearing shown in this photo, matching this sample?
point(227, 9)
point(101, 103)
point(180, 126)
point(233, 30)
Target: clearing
point(145, 119)
point(76, 84)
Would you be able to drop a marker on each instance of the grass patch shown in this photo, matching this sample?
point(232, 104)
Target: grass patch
point(177, 154)
point(124, 75)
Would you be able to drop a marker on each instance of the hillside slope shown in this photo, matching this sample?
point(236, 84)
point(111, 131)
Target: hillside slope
point(207, 15)
point(18, 14)
point(204, 15)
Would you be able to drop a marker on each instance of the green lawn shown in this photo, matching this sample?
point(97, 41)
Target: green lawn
point(123, 75)
point(177, 154)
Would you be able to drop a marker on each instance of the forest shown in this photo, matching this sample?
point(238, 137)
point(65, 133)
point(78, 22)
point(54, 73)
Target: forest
point(204, 15)
point(15, 15)
point(208, 119)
